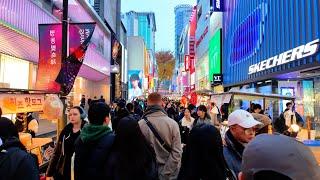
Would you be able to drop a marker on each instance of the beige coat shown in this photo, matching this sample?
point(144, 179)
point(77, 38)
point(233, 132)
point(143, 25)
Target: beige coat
point(168, 129)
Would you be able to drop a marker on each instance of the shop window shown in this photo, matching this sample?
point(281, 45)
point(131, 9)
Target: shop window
point(14, 72)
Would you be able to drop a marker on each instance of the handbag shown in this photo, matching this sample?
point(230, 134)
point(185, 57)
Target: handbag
point(156, 134)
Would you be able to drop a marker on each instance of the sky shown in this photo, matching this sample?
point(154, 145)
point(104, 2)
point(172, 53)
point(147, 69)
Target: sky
point(164, 14)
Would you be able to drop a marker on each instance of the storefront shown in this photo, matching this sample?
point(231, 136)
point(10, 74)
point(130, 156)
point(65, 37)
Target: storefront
point(273, 47)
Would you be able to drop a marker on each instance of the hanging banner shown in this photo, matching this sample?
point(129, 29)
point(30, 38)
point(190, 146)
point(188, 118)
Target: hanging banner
point(20, 103)
point(79, 37)
point(50, 47)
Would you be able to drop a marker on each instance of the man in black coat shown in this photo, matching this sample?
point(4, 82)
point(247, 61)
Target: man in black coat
point(94, 144)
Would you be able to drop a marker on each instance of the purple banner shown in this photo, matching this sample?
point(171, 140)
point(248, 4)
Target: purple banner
point(79, 38)
point(50, 47)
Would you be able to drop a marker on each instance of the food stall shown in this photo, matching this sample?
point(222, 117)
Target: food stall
point(270, 103)
point(203, 96)
point(13, 101)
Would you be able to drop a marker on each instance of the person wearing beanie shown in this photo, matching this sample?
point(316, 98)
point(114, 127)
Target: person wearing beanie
point(95, 142)
point(60, 163)
point(15, 162)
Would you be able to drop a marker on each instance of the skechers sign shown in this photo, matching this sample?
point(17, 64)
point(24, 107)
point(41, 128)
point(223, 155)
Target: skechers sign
point(302, 51)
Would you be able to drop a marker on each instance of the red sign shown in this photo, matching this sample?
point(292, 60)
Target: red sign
point(186, 62)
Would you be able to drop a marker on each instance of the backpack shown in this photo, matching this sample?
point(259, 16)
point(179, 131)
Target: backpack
point(5, 163)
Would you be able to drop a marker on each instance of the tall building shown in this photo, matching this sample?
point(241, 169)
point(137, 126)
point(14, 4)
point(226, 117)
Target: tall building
point(142, 24)
point(182, 16)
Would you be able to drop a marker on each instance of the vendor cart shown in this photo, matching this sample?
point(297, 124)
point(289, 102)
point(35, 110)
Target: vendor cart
point(13, 101)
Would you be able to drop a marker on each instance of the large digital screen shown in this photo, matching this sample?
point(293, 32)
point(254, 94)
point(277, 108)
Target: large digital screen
point(135, 84)
point(215, 55)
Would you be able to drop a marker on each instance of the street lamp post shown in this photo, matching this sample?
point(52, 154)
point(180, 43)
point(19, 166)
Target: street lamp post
point(63, 120)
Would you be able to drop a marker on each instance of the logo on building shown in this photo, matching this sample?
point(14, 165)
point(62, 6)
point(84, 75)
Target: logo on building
point(248, 37)
point(300, 52)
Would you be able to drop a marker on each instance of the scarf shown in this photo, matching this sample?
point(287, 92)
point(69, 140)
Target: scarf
point(153, 109)
point(93, 132)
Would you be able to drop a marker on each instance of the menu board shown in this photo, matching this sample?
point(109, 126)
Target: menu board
point(19, 103)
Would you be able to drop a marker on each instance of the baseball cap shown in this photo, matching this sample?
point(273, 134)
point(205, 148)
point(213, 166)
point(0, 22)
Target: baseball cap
point(290, 158)
point(242, 118)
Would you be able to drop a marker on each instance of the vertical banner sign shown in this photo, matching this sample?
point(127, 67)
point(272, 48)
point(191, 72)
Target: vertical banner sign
point(79, 38)
point(50, 47)
point(186, 62)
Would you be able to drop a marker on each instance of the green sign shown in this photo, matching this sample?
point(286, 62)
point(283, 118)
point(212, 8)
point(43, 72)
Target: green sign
point(215, 55)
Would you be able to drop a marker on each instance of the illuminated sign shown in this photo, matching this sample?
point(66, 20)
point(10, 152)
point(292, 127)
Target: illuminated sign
point(217, 5)
point(217, 79)
point(186, 62)
point(302, 51)
point(248, 36)
point(215, 55)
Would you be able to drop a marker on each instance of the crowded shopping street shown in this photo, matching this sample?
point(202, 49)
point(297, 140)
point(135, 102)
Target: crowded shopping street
point(159, 90)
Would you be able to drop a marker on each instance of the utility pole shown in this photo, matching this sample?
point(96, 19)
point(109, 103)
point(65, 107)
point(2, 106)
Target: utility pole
point(62, 122)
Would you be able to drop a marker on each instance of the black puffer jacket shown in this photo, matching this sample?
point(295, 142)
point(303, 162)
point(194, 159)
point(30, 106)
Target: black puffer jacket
point(16, 163)
point(91, 157)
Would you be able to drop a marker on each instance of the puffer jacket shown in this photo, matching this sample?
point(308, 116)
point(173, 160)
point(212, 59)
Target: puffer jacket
point(16, 163)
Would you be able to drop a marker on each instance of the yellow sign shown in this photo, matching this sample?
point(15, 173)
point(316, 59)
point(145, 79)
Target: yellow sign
point(19, 103)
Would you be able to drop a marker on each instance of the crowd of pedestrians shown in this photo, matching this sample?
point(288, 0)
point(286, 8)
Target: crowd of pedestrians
point(158, 139)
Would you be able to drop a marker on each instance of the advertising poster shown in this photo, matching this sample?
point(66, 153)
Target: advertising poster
point(79, 39)
point(135, 84)
point(50, 47)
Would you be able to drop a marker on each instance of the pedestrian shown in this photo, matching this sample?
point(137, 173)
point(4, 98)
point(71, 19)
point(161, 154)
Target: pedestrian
point(170, 110)
point(265, 120)
point(185, 126)
point(102, 99)
point(131, 156)
point(163, 134)
point(193, 111)
point(94, 144)
point(288, 120)
point(130, 108)
point(215, 114)
point(257, 109)
point(89, 101)
point(15, 162)
point(289, 160)
point(60, 163)
point(203, 158)
point(180, 114)
point(138, 108)
point(120, 113)
point(83, 101)
point(203, 116)
point(242, 129)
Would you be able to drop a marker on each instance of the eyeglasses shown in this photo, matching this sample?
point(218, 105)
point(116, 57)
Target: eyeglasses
point(249, 131)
